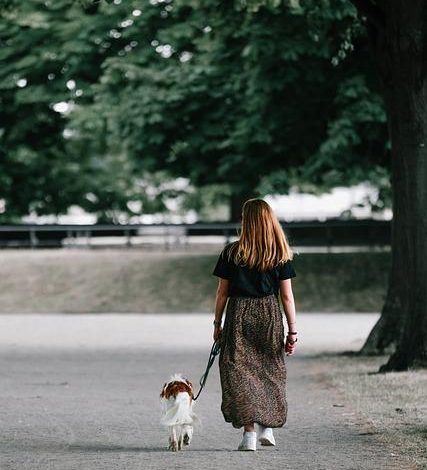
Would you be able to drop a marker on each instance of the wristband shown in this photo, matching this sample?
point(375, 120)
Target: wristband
point(217, 322)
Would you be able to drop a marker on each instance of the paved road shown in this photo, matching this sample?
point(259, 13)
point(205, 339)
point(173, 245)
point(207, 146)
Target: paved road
point(77, 392)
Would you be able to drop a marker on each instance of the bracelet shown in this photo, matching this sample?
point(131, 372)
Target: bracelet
point(292, 333)
point(217, 322)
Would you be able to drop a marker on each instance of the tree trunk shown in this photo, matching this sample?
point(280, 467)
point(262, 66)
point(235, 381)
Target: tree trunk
point(237, 199)
point(385, 335)
point(401, 52)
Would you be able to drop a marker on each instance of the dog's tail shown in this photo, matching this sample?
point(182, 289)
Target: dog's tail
point(179, 411)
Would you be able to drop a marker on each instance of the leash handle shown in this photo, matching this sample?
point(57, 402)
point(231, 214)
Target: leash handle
point(214, 352)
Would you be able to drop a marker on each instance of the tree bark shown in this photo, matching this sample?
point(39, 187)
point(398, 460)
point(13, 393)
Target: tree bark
point(400, 48)
point(387, 331)
point(407, 98)
point(237, 199)
point(386, 334)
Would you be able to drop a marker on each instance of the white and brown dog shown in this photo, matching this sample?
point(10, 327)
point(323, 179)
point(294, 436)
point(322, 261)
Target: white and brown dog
point(177, 411)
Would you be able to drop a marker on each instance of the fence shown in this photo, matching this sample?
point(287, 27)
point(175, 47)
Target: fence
point(329, 233)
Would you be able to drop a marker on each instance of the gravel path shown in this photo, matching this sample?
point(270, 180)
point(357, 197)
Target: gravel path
point(74, 399)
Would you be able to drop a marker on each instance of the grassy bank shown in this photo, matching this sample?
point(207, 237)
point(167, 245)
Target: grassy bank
point(140, 281)
point(393, 405)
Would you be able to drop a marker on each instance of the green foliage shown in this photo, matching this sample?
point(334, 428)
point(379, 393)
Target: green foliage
point(52, 53)
point(221, 95)
point(243, 94)
point(343, 153)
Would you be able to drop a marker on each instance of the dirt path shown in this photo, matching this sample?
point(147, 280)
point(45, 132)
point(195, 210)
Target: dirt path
point(97, 408)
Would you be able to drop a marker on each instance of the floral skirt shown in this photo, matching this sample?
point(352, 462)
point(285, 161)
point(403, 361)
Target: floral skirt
point(252, 363)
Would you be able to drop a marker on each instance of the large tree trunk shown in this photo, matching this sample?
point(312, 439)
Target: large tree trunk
point(237, 199)
point(401, 51)
point(387, 331)
point(407, 98)
point(386, 334)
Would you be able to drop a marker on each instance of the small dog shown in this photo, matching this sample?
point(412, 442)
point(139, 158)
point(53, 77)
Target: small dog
point(177, 411)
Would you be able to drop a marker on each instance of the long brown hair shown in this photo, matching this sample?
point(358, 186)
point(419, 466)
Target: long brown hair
point(262, 243)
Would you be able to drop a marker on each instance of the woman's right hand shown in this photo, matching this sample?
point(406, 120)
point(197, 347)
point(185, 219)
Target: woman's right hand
point(217, 333)
point(290, 344)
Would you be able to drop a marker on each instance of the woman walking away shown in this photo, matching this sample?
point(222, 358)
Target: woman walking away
point(252, 272)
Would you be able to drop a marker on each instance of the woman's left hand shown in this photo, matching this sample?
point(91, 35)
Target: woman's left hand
point(217, 333)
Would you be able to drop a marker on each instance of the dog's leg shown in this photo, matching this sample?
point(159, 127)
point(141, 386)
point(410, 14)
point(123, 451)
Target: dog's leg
point(170, 438)
point(188, 434)
point(180, 437)
point(174, 439)
point(173, 443)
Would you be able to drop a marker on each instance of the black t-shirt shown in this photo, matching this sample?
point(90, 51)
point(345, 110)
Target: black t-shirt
point(250, 282)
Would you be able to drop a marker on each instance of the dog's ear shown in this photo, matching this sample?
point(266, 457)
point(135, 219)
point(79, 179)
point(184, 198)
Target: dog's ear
point(162, 394)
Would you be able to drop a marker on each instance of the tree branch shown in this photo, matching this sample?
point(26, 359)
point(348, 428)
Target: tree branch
point(374, 14)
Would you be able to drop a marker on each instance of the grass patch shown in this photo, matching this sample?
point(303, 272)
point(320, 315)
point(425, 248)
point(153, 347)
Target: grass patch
point(336, 282)
point(141, 281)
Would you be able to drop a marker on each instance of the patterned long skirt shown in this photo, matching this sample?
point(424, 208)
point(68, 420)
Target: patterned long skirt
point(251, 363)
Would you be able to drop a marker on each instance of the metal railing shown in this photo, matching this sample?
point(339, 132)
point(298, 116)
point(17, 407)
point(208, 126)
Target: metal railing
point(332, 232)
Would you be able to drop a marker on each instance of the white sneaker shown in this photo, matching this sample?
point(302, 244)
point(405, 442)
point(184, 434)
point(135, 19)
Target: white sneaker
point(266, 437)
point(248, 441)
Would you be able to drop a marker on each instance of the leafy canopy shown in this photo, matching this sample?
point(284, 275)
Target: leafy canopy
point(255, 95)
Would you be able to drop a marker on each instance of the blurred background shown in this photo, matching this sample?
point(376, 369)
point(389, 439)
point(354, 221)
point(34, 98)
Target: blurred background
point(131, 132)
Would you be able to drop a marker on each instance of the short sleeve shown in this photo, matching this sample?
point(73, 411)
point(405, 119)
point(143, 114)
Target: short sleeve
point(223, 268)
point(286, 270)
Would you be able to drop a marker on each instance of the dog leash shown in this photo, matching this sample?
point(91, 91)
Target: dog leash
point(214, 352)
